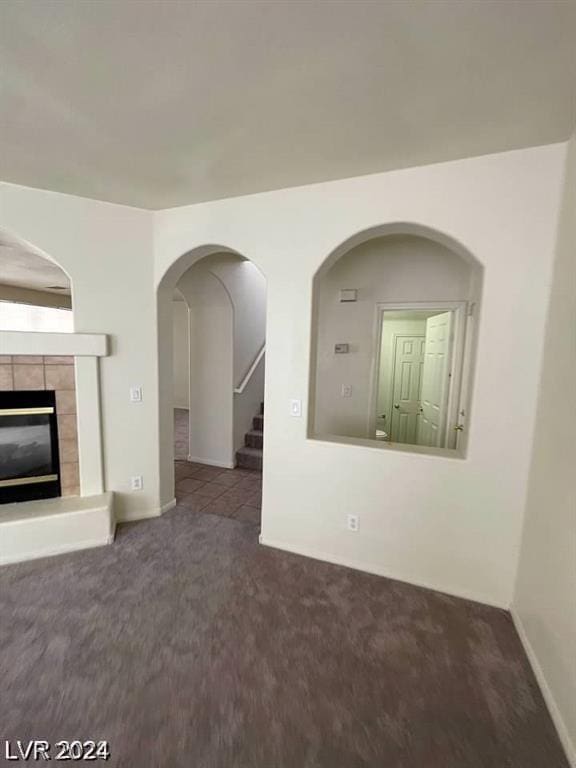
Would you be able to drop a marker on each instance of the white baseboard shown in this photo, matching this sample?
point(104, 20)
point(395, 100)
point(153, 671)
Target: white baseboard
point(211, 462)
point(555, 714)
point(131, 516)
point(378, 571)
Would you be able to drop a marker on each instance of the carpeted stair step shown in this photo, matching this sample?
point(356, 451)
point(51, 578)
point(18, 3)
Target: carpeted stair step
point(258, 423)
point(254, 439)
point(249, 458)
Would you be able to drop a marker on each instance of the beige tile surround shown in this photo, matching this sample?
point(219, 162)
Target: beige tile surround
point(28, 372)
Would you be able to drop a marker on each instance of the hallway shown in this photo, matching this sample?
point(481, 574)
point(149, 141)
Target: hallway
point(234, 493)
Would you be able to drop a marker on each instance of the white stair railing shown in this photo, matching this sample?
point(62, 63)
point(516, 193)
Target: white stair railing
point(244, 383)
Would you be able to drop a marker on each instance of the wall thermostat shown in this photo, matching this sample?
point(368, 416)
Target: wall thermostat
point(348, 294)
point(341, 349)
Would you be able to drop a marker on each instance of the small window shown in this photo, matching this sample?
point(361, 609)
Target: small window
point(393, 344)
point(28, 317)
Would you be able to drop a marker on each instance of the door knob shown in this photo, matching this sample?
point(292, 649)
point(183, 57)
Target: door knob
point(397, 406)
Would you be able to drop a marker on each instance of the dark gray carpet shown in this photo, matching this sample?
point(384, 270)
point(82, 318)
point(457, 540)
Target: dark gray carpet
point(187, 644)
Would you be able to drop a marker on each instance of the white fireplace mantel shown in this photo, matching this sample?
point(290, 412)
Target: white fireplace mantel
point(64, 344)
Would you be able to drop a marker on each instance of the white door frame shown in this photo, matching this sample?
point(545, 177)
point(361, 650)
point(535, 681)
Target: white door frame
point(459, 352)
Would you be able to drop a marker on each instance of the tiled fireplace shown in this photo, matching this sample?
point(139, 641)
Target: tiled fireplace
point(32, 373)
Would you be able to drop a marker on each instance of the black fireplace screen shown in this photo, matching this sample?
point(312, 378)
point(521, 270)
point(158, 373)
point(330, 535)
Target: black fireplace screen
point(29, 462)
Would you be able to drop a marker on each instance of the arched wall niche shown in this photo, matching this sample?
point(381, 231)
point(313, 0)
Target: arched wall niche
point(409, 272)
point(12, 239)
point(397, 228)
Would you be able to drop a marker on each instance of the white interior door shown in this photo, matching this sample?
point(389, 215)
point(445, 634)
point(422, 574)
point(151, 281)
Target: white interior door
point(435, 381)
point(408, 364)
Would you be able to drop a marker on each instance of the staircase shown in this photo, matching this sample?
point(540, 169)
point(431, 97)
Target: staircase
point(250, 455)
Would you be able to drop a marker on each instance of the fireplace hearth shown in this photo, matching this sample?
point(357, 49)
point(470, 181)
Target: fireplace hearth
point(29, 458)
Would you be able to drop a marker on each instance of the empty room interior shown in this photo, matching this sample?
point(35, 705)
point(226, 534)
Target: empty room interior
point(288, 383)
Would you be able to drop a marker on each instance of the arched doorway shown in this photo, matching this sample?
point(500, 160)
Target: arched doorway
point(211, 342)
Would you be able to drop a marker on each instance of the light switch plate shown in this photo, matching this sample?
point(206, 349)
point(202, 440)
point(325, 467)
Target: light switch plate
point(135, 394)
point(346, 390)
point(137, 483)
point(296, 408)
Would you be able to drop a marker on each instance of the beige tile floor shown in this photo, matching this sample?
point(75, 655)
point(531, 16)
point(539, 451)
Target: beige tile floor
point(234, 493)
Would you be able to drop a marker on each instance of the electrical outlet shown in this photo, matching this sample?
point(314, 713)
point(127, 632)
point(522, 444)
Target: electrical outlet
point(346, 390)
point(353, 523)
point(137, 483)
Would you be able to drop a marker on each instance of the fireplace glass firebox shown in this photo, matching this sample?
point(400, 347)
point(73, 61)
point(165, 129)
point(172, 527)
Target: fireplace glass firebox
point(29, 461)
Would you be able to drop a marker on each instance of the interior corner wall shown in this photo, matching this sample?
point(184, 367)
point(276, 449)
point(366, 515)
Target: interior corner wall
point(393, 268)
point(107, 250)
point(181, 354)
point(447, 523)
point(545, 599)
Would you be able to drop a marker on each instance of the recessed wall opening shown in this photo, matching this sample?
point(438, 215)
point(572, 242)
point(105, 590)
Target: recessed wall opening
point(394, 329)
point(39, 448)
point(35, 292)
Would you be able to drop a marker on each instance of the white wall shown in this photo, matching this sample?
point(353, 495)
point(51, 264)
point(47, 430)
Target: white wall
point(181, 354)
point(246, 286)
point(107, 251)
point(384, 269)
point(211, 379)
point(458, 527)
point(545, 598)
